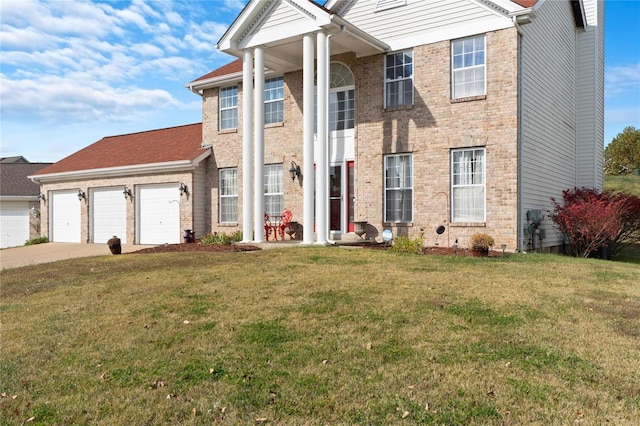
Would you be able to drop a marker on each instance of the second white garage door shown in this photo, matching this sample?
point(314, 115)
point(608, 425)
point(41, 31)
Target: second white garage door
point(108, 215)
point(158, 214)
point(65, 217)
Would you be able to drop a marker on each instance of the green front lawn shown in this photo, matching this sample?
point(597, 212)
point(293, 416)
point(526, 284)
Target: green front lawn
point(320, 336)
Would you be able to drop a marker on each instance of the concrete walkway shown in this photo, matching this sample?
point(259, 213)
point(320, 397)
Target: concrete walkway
point(50, 252)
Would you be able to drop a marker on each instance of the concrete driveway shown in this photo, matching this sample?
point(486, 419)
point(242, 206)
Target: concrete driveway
point(51, 252)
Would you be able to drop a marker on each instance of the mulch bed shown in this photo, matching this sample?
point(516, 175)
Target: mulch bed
point(192, 247)
point(188, 247)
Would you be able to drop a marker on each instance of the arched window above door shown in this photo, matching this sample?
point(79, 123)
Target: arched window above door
point(340, 76)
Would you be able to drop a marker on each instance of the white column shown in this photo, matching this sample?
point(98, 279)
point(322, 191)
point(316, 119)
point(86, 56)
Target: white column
point(258, 146)
point(247, 151)
point(307, 137)
point(322, 163)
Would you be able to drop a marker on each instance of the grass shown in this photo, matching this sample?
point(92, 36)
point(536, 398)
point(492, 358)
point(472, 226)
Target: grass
point(320, 336)
point(629, 184)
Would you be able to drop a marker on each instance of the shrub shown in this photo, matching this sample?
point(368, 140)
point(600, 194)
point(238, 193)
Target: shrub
point(221, 238)
point(481, 241)
point(407, 245)
point(38, 240)
point(590, 219)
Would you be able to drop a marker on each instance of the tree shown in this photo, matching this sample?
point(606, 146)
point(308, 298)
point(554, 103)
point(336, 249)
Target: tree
point(622, 155)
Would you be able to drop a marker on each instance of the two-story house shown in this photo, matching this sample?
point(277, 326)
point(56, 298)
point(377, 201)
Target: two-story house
point(408, 115)
point(411, 116)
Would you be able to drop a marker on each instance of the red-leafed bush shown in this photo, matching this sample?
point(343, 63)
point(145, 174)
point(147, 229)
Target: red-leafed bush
point(591, 219)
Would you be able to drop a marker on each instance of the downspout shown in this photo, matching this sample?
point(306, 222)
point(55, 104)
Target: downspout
point(519, 223)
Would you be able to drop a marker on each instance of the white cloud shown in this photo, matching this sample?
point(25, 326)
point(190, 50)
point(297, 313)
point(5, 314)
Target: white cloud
point(56, 98)
point(622, 80)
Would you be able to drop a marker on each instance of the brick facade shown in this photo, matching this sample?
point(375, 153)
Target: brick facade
point(428, 129)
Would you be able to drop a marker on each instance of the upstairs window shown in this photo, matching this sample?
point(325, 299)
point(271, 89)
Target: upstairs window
point(468, 67)
point(228, 108)
point(274, 100)
point(399, 79)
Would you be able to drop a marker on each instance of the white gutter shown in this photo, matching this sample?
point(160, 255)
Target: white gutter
point(19, 198)
point(171, 166)
point(346, 27)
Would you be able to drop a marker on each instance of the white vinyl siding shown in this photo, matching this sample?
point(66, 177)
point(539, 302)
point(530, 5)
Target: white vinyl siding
point(229, 108)
point(229, 195)
point(468, 70)
point(468, 185)
point(398, 188)
point(274, 100)
point(548, 105)
point(398, 87)
point(273, 189)
point(423, 22)
point(590, 108)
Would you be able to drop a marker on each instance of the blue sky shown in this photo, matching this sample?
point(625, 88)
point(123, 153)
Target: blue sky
point(73, 72)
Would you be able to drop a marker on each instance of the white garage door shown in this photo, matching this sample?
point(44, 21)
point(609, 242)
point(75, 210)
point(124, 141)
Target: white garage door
point(108, 215)
point(14, 223)
point(65, 217)
point(159, 214)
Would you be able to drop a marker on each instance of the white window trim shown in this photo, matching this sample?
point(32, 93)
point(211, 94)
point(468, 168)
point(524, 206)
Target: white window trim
point(483, 185)
point(221, 108)
point(413, 72)
point(385, 188)
point(230, 196)
point(484, 65)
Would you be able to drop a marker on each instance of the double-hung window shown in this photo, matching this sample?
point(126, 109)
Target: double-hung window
point(468, 185)
point(399, 79)
point(229, 108)
point(398, 188)
point(468, 70)
point(274, 100)
point(228, 195)
point(273, 190)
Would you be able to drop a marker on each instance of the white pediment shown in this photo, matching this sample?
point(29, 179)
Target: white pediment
point(279, 26)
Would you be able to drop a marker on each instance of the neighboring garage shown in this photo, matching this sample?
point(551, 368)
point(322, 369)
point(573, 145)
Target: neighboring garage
point(108, 214)
point(19, 201)
point(140, 187)
point(159, 214)
point(14, 223)
point(64, 215)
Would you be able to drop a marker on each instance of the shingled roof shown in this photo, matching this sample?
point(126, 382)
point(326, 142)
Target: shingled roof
point(181, 143)
point(14, 181)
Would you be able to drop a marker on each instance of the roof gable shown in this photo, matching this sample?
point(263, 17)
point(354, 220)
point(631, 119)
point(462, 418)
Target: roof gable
point(181, 143)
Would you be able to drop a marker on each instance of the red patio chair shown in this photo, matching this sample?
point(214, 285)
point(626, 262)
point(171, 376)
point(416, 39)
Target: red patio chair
point(285, 222)
point(268, 227)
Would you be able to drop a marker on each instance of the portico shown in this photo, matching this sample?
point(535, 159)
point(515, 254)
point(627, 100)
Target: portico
point(276, 37)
